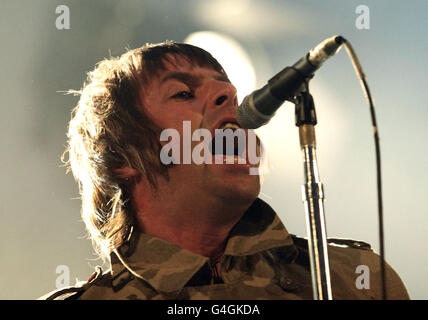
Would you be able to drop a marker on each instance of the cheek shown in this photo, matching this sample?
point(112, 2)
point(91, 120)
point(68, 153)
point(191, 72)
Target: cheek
point(180, 119)
point(169, 116)
point(178, 116)
point(168, 120)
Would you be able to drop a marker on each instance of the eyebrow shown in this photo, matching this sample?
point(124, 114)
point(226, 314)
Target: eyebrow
point(190, 79)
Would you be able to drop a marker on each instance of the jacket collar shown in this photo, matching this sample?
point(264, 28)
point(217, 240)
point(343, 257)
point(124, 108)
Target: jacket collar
point(167, 267)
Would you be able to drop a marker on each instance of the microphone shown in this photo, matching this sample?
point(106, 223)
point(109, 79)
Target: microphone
point(260, 106)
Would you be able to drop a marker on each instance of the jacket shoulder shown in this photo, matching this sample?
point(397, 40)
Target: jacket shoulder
point(74, 292)
point(335, 242)
point(350, 259)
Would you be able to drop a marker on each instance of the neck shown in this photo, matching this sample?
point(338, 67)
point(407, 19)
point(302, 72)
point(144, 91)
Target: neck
point(198, 222)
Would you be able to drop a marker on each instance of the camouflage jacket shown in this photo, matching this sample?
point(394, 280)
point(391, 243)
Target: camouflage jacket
point(261, 261)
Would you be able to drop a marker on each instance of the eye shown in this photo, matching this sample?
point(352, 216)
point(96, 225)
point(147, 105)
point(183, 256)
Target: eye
point(184, 95)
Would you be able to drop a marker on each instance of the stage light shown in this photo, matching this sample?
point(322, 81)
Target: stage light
point(231, 56)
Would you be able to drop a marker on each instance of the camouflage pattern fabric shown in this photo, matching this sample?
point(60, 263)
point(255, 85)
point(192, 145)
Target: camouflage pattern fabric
point(261, 261)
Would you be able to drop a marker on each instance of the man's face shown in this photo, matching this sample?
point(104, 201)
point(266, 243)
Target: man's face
point(205, 98)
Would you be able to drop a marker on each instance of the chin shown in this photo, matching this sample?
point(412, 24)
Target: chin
point(239, 189)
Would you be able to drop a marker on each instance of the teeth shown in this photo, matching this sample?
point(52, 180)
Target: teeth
point(229, 125)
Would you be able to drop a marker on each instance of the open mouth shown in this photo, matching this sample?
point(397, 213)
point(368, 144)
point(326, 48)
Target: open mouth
point(229, 140)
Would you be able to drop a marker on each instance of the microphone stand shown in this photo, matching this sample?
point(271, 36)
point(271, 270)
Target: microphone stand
point(313, 195)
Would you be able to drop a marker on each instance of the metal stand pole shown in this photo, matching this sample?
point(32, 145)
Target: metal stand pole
point(313, 197)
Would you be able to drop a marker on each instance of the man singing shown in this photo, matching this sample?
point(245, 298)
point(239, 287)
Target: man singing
point(186, 230)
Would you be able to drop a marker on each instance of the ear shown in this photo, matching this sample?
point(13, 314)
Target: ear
point(126, 172)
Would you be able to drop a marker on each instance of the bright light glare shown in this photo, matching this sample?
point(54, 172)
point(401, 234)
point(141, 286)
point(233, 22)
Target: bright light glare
point(231, 56)
point(281, 139)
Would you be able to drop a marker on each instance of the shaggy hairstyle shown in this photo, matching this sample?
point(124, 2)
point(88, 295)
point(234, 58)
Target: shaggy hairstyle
point(109, 129)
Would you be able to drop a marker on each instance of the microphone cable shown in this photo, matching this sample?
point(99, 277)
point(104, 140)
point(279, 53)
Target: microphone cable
point(360, 74)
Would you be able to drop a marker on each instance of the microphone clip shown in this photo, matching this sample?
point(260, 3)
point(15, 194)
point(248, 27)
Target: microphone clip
point(305, 107)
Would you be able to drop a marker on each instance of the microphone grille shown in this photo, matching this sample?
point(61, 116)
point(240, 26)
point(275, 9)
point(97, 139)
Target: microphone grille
point(248, 116)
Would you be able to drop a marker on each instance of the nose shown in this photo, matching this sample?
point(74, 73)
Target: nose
point(220, 100)
point(223, 94)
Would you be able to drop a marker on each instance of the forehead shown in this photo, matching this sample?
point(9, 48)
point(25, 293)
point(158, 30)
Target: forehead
point(177, 63)
point(172, 61)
